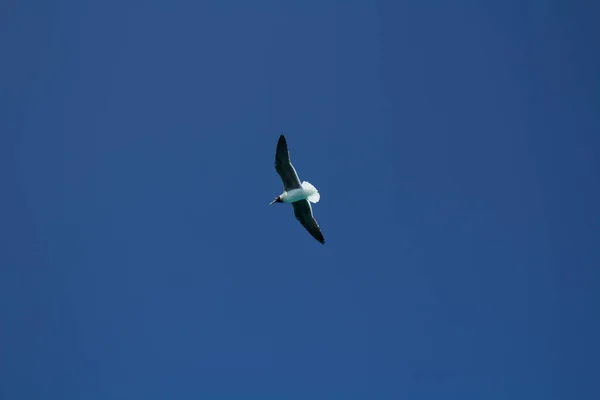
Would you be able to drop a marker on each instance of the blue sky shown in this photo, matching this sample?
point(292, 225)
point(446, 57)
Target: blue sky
point(455, 146)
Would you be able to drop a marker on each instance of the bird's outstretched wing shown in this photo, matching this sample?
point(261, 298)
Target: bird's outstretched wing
point(303, 213)
point(284, 167)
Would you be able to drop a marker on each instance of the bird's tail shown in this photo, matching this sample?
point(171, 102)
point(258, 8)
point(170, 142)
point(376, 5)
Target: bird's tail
point(313, 193)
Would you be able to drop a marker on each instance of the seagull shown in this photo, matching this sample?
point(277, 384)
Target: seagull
point(299, 194)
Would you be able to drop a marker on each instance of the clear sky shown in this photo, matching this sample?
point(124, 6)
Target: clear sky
point(455, 145)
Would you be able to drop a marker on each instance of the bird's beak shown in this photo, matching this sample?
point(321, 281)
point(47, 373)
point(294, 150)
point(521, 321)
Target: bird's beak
point(273, 202)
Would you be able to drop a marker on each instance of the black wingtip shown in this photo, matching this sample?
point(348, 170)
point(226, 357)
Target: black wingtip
point(281, 142)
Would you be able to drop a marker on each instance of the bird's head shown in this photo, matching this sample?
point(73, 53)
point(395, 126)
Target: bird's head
point(277, 200)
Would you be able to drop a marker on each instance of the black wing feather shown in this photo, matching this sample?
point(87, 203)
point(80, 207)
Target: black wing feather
point(303, 213)
point(284, 166)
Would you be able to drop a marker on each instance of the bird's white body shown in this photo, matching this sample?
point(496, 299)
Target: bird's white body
point(307, 191)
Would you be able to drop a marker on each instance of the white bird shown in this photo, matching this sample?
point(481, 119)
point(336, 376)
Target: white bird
point(300, 195)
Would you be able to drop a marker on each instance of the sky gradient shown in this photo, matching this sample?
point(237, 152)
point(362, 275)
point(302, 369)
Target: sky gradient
point(455, 146)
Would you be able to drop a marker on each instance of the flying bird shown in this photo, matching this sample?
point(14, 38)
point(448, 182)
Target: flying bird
point(299, 194)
